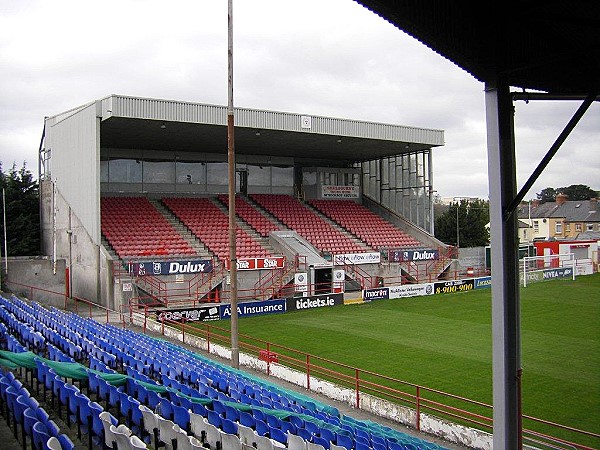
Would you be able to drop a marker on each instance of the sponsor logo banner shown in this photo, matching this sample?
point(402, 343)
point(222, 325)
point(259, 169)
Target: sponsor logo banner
point(301, 282)
point(549, 274)
point(258, 263)
point(357, 258)
point(564, 272)
point(315, 301)
point(483, 282)
point(448, 287)
point(340, 191)
point(171, 267)
point(376, 294)
point(410, 290)
point(399, 255)
point(246, 309)
point(201, 314)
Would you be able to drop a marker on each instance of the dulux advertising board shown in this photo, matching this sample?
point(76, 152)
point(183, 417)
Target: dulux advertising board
point(396, 255)
point(156, 268)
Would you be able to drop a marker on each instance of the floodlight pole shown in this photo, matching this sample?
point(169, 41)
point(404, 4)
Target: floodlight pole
point(457, 228)
point(5, 240)
point(235, 351)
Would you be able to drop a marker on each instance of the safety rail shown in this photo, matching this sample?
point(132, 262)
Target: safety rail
point(359, 275)
point(363, 382)
point(197, 287)
point(420, 399)
point(273, 280)
point(201, 280)
point(69, 302)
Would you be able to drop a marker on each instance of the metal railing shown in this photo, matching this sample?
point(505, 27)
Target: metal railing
point(420, 399)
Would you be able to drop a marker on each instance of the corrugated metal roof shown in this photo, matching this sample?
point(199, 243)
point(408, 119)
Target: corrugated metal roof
point(549, 46)
point(155, 124)
point(176, 111)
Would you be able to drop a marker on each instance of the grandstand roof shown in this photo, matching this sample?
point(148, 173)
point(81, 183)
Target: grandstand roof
point(142, 123)
point(547, 46)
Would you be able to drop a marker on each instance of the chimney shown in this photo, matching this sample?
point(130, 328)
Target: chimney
point(535, 202)
point(593, 204)
point(560, 199)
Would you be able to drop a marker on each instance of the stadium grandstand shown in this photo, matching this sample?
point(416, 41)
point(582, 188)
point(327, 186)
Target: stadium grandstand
point(149, 151)
point(134, 199)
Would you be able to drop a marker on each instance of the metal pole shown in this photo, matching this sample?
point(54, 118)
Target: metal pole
point(457, 228)
point(5, 242)
point(235, 351)
point(506, 322)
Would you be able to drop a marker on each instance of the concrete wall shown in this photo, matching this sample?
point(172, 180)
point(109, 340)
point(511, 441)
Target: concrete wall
point(65, 237)
point(39, 272)
point(470, 257)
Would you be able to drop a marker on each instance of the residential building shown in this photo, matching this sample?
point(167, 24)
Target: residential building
point(562, 219)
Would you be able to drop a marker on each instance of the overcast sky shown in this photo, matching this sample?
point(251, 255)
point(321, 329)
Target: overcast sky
point(330, 58)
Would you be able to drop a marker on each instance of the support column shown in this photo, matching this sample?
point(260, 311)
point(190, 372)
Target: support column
point(505, 272)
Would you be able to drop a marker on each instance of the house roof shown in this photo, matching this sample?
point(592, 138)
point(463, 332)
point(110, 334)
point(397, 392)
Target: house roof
point(571, 211)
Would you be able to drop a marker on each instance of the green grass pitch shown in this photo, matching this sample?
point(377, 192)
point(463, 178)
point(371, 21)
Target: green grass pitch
point(444, 342)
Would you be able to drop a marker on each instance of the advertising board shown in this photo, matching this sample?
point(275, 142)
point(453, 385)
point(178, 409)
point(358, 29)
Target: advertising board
point(199, 314)
point(314, 301)
point(157, 268)
point(448, 287)
point(400, 255)
point(246, 309)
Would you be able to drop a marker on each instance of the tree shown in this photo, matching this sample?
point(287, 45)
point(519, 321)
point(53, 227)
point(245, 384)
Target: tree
point(464, 224)
point(573, 192)
point(547, 195)
point(21, 195)
point(578, 192)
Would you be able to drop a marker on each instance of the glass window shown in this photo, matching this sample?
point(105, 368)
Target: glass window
point(217, 174)
point(125, 171)
point(589, 227)
point(103, 171)
point(536, 226)
point(578, 227)
point(191, 173)
point(309, 178)
point(159, 171)
point(259, 176)
point(559, 227)
point(283, 176)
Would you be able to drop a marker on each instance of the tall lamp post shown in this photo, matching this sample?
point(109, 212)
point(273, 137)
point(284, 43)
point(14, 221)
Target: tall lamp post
point(457, 228)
